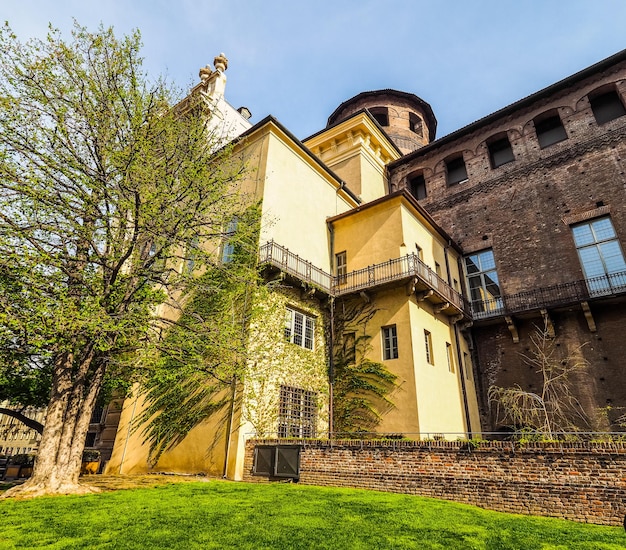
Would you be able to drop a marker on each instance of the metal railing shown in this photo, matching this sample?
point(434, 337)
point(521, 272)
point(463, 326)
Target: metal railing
point(398, 269)
point(280, 257)
point(552, 296)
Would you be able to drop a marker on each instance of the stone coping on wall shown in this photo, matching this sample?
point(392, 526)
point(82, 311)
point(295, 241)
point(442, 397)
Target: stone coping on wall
point(603, 447)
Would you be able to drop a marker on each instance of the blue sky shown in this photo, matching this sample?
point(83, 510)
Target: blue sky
point(299, 60)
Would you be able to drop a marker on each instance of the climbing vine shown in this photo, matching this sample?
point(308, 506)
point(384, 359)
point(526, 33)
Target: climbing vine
point(361, 386)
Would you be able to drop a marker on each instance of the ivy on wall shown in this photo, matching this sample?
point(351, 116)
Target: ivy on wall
point(273, 361)
point(361, 386)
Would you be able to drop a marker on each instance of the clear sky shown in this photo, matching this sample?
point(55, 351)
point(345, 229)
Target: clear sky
point(298, 60)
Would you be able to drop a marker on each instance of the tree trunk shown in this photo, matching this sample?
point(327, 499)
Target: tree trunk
point(57, 467)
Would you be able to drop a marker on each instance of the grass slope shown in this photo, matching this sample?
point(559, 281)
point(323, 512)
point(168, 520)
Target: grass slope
point(287, 516)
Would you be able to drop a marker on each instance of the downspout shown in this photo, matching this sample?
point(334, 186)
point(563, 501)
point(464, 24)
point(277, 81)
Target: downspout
point(229, 427)
point(457, 342)
point(331, 337)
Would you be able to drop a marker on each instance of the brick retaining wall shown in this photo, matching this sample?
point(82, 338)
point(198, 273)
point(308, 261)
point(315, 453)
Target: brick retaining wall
point(578, 481)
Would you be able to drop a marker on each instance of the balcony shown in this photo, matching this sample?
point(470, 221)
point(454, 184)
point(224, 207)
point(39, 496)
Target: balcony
point(561, 295)
point(408, 269)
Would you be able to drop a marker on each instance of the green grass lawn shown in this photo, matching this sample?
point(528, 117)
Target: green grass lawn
point(229, 515)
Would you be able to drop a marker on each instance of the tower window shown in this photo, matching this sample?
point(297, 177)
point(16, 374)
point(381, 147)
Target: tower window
point(457, 172)
point(381, 114)
point(550, 130)
point(417, 186)
point(500, 152)
point(416, 124)
point(607, 107)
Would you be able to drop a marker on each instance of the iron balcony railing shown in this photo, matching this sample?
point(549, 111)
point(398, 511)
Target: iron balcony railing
point(552, 296)
point(280, 257)
point(405, 268)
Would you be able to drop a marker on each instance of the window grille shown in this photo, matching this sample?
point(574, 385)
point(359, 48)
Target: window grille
point(297, 415)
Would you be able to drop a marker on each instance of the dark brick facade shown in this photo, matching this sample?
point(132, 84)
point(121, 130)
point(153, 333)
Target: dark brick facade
point(523, 210)
point(581, 482)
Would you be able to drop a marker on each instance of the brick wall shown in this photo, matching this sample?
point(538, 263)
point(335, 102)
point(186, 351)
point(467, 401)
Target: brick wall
point(582, 482)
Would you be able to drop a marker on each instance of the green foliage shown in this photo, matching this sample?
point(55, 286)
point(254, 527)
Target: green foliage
point(361, 386)
point(287, 516)
point(203, 351)
point(104, 189)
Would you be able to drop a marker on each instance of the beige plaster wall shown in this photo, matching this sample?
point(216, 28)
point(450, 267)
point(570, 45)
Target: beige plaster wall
point(297, 199)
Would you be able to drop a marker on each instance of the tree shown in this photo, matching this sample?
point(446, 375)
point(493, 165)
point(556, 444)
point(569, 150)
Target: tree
point(107, 193)
point(360, 386)
point(552, 409)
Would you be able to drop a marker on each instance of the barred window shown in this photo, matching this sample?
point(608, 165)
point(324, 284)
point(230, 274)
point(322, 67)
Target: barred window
point(299, 329)
point(297, 416)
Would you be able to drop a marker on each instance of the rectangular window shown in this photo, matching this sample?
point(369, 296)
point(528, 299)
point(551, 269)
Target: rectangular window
point(341, 262)
point(297, 412)
point(450, 356)
point(299, 328)
point(500, 152)
point(90, 440)
point(456, 170)
point(415, 124)
point(600, 255)
point(97, 415)
point(428, 343)
point(438, 269)
point(549, 131)
point(417, 186)
point(228, 243)
point(482, 282)
point(607, 107)
point(390, 342)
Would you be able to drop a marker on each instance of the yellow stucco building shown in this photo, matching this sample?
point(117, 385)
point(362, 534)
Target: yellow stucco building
point(332, 234)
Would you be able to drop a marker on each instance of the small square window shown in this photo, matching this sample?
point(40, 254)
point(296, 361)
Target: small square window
point(500, 152)
point(417, 186)
point(390, 342)
point(607, 107)
point(457, 172)
point(550, 131)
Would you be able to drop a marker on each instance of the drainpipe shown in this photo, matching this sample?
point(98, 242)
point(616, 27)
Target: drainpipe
point(229, 427)
point(331, 337)
point(462, 375)
point(457, 341)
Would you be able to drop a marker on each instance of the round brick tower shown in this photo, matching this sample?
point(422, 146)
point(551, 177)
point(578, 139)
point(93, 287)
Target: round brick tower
point(407, 119)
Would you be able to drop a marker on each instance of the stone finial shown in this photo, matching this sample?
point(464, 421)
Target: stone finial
point(221, 63)
point(205, 73)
